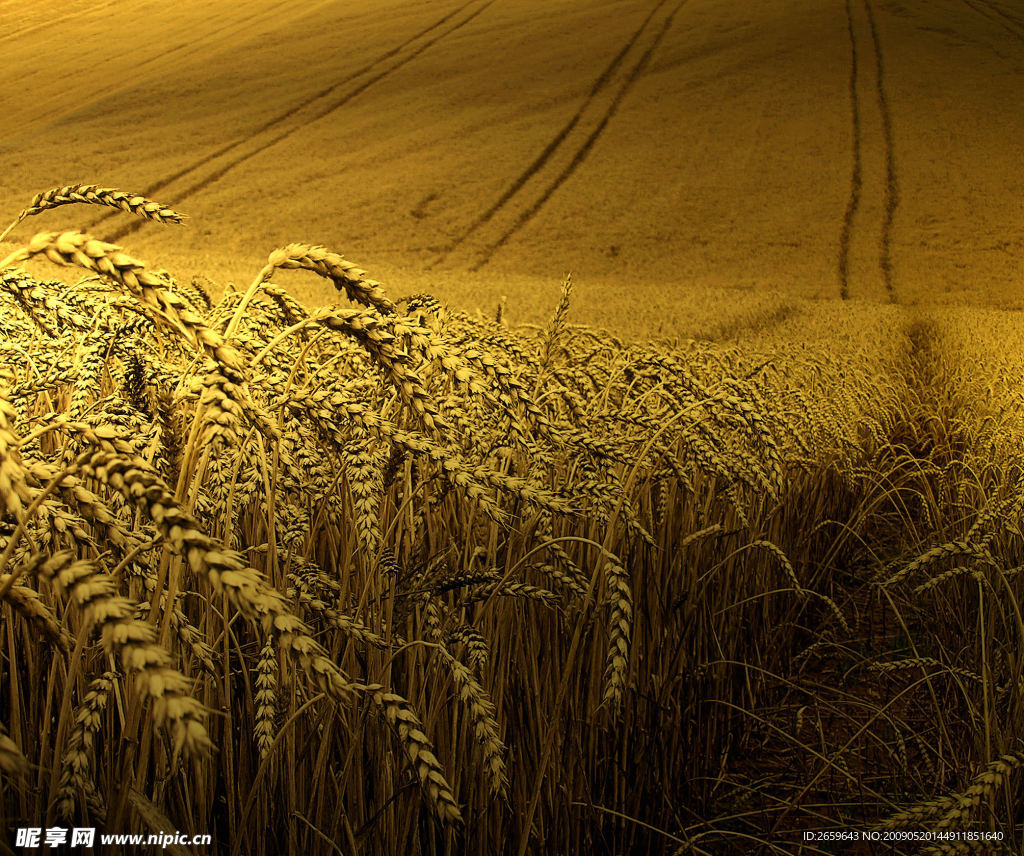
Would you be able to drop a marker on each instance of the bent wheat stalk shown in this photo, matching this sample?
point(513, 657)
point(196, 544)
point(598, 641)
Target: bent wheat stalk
point(346, 277)
point(93, 194)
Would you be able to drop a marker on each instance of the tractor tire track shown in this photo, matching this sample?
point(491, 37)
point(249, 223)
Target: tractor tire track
point(856, 178)
point(552, 146)
point(527, 212)
point(1013, 19)
point(865, 248)
point(50, 117)
point(892, 195)
point(54, 20)
point(178, 52)
point(195, 46)
point(305, 104)
point(997, 16)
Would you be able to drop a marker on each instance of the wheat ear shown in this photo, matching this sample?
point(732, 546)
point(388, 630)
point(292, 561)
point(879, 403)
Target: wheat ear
point(91, 193)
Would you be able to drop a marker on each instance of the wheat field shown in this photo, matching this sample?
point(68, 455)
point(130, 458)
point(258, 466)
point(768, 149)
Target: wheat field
point(391, 577)
point(655, 489)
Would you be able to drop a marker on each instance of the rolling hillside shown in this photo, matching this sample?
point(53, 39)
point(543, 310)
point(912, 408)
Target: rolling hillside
point(672, 155)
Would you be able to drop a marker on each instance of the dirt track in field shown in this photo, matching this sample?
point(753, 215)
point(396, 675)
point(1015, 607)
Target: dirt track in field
point(693, 162)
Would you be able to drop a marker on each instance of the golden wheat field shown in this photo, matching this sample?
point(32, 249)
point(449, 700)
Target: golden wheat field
point(656, 489)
